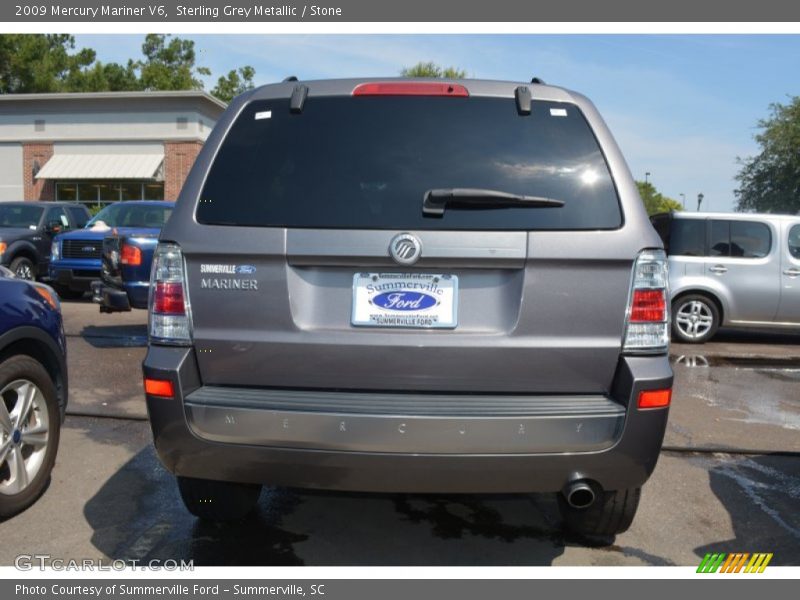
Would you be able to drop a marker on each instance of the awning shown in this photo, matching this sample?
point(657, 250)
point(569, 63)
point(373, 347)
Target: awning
point(102, 166)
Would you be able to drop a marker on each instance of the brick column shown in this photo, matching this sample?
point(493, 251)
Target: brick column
point(37, 189)
point(178, 160)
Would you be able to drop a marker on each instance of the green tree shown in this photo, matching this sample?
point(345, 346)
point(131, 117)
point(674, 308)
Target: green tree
point(169, 64)
point(234, 83)
point(39, 63)
point(654, 201)
point(105, 77)
point(50, 63)
point(770, 181)
point(431, 69)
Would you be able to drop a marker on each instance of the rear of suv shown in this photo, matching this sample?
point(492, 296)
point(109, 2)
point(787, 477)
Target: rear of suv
point(410, 286)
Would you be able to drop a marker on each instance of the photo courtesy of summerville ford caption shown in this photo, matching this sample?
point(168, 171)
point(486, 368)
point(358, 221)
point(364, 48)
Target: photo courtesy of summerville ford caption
point(410, 286)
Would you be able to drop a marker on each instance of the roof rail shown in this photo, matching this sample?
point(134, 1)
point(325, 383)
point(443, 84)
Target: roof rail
point(538, 80)
point(290, 78)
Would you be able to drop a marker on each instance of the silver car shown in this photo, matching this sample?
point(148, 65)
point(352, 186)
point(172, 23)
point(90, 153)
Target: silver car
point(726, 269)
point(410, 286)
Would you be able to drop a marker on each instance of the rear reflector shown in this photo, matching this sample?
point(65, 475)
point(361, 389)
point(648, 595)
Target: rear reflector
point(130, 255)
point(168, 298)
point(158, 387)
point(648, 306)
point(655, 398)
point(410, 89)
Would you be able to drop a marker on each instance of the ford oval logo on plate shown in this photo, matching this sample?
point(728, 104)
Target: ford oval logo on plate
point(418, 300)
point(245, 269)
point(404, 301)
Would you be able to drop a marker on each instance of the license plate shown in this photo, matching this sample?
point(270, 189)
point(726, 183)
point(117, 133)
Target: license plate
point(405, 300)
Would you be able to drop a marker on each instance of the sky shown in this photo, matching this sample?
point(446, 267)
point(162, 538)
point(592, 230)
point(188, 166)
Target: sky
point(681, 107)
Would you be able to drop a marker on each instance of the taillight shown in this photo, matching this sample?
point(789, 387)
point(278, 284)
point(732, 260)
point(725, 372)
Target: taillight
point(130, 255)
point(647, 317)
point(168, 298)
point(409, 88)
point(170, 313)
point(648, 306)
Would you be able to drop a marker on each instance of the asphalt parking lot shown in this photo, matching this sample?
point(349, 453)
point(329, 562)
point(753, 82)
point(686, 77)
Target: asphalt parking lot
point(728, 480)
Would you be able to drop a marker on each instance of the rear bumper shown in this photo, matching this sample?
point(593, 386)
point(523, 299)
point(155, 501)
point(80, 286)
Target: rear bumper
point(114, 299)
point(406, 443)
point(109, 298)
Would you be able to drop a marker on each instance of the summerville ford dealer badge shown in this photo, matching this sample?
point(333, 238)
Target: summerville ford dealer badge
point(417, 300)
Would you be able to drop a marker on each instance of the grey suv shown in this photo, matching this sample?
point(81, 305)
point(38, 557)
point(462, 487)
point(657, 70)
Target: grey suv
point(415, 286)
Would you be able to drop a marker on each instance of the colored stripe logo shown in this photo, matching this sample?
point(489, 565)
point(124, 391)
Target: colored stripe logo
point(737, 562)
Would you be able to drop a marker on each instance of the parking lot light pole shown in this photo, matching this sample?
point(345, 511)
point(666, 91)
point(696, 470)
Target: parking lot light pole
point(683, 200)
point(699, 201)
point(647, 177)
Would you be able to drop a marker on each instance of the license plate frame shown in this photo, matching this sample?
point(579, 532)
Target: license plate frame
point(405, 300)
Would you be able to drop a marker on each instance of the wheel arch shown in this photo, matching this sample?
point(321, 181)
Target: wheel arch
point(24, 249)
point(37, 344)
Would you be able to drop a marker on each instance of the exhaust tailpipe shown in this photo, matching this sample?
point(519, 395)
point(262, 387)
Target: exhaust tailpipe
point(579, 494)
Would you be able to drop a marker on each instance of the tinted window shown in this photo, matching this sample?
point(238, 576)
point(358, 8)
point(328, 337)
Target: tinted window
point(794, 241)
point(749, 239)
point(367, 162)
point(57, 215)
point(719, 243)
point(688, 237)
point(661, 223)
point(79, 216)
point(18, 216)
point(740, 239)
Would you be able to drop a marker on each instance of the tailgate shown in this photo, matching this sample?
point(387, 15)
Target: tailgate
point(531, 317)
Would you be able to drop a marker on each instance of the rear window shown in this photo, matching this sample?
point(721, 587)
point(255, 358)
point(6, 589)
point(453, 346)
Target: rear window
point(366, 162)
point(688, 237)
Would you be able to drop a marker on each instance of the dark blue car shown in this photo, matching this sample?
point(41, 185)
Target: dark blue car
point(33, 388)
point(76, 257)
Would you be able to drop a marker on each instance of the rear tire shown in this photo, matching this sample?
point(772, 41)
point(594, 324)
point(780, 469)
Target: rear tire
point(218, 500)
point(610, 514)
point(23, 268)
point(695, 319)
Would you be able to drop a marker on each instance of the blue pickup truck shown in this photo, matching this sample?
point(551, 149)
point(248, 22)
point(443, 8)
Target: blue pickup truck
point(76, 257)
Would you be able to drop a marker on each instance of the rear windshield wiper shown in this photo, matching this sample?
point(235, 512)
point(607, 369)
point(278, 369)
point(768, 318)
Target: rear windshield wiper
point(435, 200)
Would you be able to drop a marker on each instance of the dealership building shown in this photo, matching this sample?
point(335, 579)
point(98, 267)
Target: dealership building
point(101, 147)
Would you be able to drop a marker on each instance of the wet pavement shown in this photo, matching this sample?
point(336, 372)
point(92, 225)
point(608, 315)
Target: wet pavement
point(110, 497)
point(104, 358)
point(735, 401)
